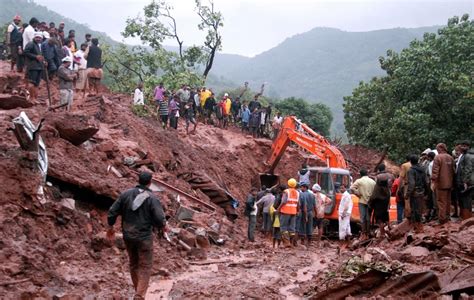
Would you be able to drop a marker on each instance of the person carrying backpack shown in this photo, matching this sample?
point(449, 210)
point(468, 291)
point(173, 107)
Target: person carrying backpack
point(251, 212)
point(417, 189)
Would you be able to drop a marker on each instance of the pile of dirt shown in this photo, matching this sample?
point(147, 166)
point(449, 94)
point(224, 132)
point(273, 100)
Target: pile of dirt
point(52, 230)
point(411, 265)
point(53, 243)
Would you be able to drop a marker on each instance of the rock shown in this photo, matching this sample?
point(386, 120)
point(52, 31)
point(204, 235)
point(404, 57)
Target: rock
point(400, 230)
point(76, 128)
point(466, 223)
point(201, 231)
point(202, 242)
point(100, 242)
point(9, 82)
point(414, 254)
point(198, 253)
point(14, 101)
point(68, 203)
point(163, 272)
point(184, 213)
point(367, 258)
point(188, 238)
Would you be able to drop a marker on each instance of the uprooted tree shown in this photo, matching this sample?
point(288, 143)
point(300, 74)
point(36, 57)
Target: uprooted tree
point(155, 63)
point(426, 97)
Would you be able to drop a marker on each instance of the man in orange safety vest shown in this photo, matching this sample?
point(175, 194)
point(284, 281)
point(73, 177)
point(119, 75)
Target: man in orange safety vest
point(288, 210)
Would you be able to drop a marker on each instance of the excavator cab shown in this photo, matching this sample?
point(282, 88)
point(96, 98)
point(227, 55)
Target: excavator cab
point(329, 179)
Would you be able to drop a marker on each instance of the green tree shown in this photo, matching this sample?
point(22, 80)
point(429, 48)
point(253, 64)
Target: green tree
point(158, 25)
point(317, 116)
point(426, 97)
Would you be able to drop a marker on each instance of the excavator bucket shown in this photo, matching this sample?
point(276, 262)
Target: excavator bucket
point(268, 180)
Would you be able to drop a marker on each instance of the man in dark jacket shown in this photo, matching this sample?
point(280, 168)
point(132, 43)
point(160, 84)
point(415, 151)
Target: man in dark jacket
point(416, 191)
point(140, 211)
point(209, 106)
point(442, 178)
point(34, 63)
point(94, 65)
point(14, 39)
point(465, 179)
point(50, 53)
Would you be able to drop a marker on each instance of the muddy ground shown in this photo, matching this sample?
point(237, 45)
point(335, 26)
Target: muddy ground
point(53, 245)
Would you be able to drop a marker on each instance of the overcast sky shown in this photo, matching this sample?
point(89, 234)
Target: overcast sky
point(251, 27)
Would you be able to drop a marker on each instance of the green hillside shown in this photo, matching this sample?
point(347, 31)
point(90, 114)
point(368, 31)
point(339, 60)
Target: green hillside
point(321, 65)
point(28, 9)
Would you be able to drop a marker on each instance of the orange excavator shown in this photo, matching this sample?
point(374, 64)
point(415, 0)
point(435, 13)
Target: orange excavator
point(329, 178)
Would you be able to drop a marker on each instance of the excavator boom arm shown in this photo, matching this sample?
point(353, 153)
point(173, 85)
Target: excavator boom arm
point(306, 138)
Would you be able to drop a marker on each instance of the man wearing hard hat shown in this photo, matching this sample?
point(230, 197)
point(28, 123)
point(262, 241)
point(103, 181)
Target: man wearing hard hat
point(288, 210)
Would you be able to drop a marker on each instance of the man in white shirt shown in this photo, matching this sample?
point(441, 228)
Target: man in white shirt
point(344, 213)
point(138, 96)
point(276, 124)
point(82, 67)
point(29, 33)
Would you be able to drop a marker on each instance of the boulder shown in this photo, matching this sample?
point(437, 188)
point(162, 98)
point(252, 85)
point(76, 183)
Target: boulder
point(76, 128)
point(188, 238)
point(8, 101)
point(414, 254)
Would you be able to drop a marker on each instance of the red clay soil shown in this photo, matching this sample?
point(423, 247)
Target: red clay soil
point(50, 249)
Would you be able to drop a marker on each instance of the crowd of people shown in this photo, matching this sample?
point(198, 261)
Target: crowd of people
point(43, 52)
point(200, 105)
point(433, 187)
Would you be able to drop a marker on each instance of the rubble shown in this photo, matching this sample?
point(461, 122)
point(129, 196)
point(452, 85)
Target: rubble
point(73, 127)
point(8, 101)
point(58, 248)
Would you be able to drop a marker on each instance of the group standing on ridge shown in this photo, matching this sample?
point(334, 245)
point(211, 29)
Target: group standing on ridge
point(43, 52)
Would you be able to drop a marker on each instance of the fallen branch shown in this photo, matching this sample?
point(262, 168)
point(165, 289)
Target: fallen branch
point(51, 108)
point(209, 262)
point(14, 282)
point(186, 246)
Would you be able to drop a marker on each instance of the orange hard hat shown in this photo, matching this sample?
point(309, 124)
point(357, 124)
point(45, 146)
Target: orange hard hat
point(292, 183)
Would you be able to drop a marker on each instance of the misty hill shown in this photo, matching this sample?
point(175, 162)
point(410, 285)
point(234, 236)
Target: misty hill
point(321, 65)
point(28, 9)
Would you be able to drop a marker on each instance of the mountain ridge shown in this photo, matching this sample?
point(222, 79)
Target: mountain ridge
point(323, 64)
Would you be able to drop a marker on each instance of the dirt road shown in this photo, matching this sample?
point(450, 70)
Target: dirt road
point(256, 272)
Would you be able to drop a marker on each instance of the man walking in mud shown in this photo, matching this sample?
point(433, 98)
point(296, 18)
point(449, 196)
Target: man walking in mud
point(140, 211)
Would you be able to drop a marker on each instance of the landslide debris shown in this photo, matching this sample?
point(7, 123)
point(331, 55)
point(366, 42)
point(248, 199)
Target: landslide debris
point(53, 244)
